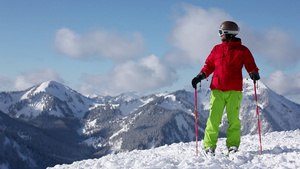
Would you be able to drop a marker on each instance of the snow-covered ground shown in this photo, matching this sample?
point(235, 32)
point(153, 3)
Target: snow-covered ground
point(280, 150)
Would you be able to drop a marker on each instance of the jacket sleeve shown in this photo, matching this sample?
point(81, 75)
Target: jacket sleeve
point(209, 66)
point(250, 64)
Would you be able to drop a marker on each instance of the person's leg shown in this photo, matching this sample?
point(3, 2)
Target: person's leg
point(233, 104)
point(217, 104)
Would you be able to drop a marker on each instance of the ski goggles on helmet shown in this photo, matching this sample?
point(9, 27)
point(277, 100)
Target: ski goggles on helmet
point(223, 32)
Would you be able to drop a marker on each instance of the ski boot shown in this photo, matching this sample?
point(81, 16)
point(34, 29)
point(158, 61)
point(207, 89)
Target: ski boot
point(232, 149)
point(210, 151)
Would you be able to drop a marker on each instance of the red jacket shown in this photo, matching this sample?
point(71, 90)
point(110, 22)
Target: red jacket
point(226, 61)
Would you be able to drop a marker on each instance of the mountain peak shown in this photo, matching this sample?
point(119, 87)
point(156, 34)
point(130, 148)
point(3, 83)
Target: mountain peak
point(50, 85)
point(54, 98)
point(51, 82)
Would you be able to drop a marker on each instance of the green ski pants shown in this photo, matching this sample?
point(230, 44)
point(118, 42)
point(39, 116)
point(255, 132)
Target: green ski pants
point(218, 100)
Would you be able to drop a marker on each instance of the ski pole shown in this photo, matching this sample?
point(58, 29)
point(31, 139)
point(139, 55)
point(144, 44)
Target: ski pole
point(196, 123)
point(254, 81)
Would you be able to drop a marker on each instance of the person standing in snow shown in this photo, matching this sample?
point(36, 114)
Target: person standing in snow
point(226, 61)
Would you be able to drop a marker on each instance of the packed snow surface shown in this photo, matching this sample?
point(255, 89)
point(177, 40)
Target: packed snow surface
point(280, 150)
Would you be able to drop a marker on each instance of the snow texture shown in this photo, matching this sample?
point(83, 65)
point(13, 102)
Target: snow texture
point(280, 150)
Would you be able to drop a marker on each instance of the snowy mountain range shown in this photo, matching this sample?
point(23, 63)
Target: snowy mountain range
point(51, 124)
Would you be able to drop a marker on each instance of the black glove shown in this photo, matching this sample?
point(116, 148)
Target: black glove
point(198, 79)
point(254, 76)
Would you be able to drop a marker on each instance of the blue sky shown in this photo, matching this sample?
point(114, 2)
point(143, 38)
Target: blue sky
point(109, 47)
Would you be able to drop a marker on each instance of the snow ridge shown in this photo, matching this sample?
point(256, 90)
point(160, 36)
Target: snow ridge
point(280, 150)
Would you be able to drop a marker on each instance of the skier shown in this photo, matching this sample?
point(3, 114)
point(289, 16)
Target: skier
point(226, 61)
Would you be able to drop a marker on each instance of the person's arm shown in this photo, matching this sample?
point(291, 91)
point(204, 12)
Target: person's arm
point(251, 66)
point(209, 66)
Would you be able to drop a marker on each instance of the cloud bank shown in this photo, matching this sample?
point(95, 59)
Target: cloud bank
point(194, 35)
point(148, 73)
point(99, 44)
point(284, 84)
point(278, 47)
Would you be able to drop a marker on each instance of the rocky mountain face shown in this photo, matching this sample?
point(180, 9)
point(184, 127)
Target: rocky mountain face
point(51, 124)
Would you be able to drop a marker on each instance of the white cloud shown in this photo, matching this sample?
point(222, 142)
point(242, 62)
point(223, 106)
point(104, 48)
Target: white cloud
point(284, 84)
point(147, 74)
point(195, 34)
point(94, 84)
point(99, 44)
point(68, 42)
point(29, 79)
point(277, 46)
